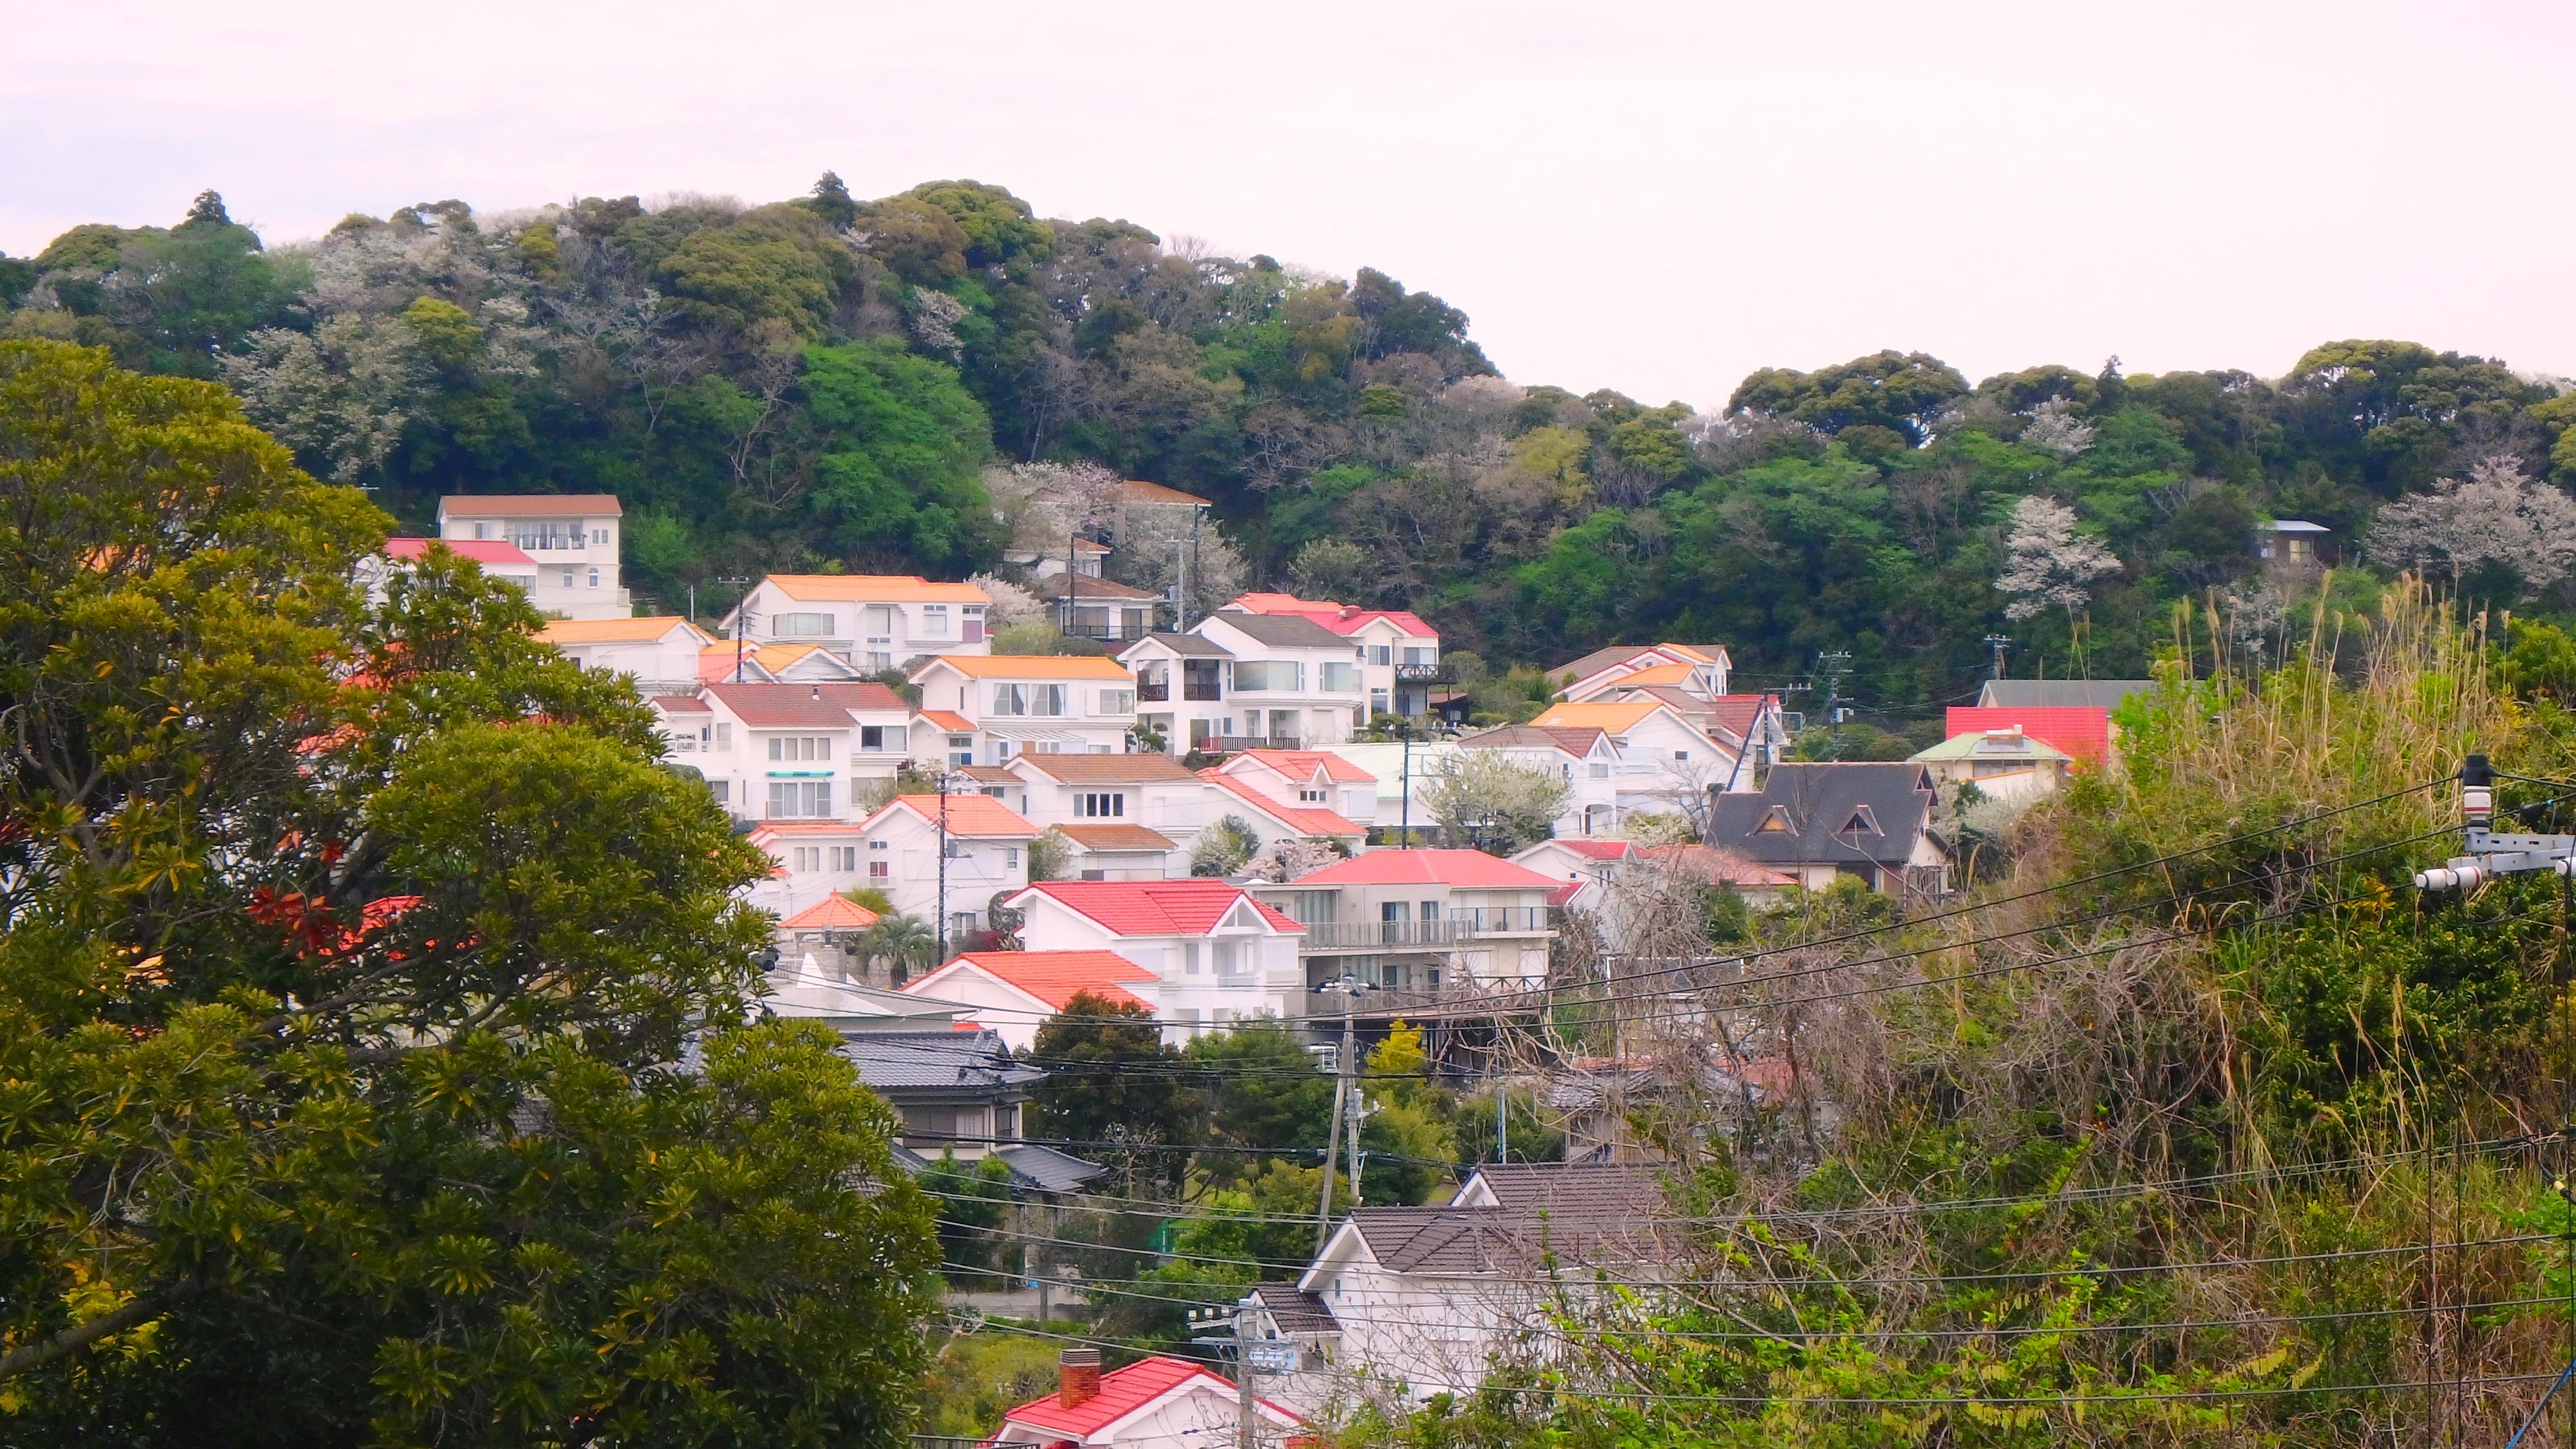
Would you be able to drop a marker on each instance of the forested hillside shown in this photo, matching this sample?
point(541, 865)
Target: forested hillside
point(820, 383)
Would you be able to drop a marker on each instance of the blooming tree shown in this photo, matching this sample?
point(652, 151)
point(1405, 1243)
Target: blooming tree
point(2497, 515)
point(2046, 562)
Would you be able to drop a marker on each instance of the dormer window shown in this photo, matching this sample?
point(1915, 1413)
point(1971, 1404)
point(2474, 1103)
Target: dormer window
point(1774, 821)
point(1862, 822)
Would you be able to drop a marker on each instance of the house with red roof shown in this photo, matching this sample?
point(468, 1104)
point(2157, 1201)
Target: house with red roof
point(496, 557)
point(774, 751)
point(1585, 757)
point(1217, 953)
point(1398, 654)
point(1153, 1403)
point(1422, 922)
point(1013, 991)
point(1270, 819)
point(569, 540)
point(1308, 779)
point(876, 621)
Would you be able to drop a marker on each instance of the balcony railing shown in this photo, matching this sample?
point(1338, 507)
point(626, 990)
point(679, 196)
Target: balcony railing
point(1153, 691)
point(1501, 920)
point(1377, 935)
point(1231, 744)
point(1426, 674)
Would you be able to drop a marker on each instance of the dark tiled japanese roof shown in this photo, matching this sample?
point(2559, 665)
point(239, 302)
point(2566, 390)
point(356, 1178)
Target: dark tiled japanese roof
point(1296, 1312)
point(937, 1059)
point(1578, 1189)
point(1196, 646)
point(1826, 813)
point(1286, 631)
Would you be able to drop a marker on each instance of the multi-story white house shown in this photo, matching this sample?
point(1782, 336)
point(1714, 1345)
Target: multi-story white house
point(787, 751)
point(1218, 955)
point(1014, 992)
point(495, 557)
point(1250, 800)
point(986, 708)
point(987, 847)
point(1398, 654)
point(1700, 668)
point(1421, 921)
point(876, 621)
point(1250, 681)
point(1583, 757)
point(1133, 816)
point(1306, 780)
point(659, 652)
point(1665, 761)
point(570, 539)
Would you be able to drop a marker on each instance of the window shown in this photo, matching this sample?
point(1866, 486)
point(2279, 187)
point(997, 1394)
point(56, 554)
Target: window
point(599, 535)
point(1377, 701)
point(934, 621)
point(791, 799)
point(1100, 807)
point(1095, 875)
point(724, 736)
point(594, 578)
point(1189, 958)
point(567, 578)
point(1276, 674)
point(807, 857)
point(1383, 655)
point(482, 530)
point(1308, 795)
point(1010, 857)
point(961, 749)
point(1416, 655)
point(878, 870)
point(800, 747)
point(1117, 701)
point(1228, 957)
point(724, 791)
point(802, 625)
point(1341, 679)
point(1600, 770)
point(1681, 754)
point(845, 857)
point(1036, 699)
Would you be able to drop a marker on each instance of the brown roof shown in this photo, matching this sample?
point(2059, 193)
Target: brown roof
point(531, 505)
point(680, 704)
point(1455, 1241)
point(1126, 769)
point(784, 706)
point(1137, 490)
point(1115, 837)
point(857, 694)
point(1296, 1312)
point(1576, 740)
point(1580, 1187)
point(1285, 631)
point(987, 774)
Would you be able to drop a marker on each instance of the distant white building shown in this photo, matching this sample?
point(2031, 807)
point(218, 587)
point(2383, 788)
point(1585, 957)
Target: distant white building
point(787, 751)
point(1218, 955)
point(876, 621)
point(987, 708)
point(660, 652)
point(570, 542)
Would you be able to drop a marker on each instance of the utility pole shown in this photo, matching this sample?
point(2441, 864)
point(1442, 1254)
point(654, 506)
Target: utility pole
point(1247, 1425)
point(1350, 990)
point(741, 622)
point(943, 866)
point(1834, 666)
point(1404, 732)
point(1998, 643)
point(2487, 854)
point(1502, 1104)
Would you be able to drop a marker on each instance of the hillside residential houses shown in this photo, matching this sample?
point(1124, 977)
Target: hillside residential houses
point(1153, 1403)
point(1308, 780)
point(659, 652)
point(787, 751)
point(1398, 654)
point(1600, 674)
point(1132, 816)
point(1254, 796)
point(875, 621)
point(2005, 763)
point(990, 707)
point(566, 542)
point(1585, 757)
point(1218, 954)
point(898, 850)
point(2072, 715)
point(1013, 992)
point(1821, 822)
point(1663, 761)
point(1420, 922)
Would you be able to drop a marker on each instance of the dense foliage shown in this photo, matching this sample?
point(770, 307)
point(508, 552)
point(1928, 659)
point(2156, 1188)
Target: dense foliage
point(370, 1066)
point(817, 383)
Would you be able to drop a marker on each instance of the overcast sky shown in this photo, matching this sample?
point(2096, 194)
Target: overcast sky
point(1656, 198)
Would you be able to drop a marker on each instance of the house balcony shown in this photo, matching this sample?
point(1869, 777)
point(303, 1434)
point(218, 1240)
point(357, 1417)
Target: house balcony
point(1236, 744)
point(1425, 674)
point(1338, 937)
point(1153, 691)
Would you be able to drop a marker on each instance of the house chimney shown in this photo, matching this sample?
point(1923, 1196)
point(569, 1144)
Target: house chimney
point(1077, 1377)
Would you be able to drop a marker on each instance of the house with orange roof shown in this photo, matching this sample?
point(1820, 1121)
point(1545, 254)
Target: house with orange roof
point(1003, 705)
point(1153, 1403)
point(659, 652)
point(1701, 669)
point(1398, 653)
point(1013, 992)
point(1667, 761)
point(1217, 953)
point(1420, 923)
point(571, 539)
point(876, 621)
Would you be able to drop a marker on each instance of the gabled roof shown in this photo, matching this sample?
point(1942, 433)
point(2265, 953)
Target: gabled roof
point(531, 505)
point(1116, 837)
point(1463, 1241)
point(2008, 744)
point(1590, 848)
point(1028, 666)
point(1051, 976)
point(953, 1059)
point(1338, 617)
point(1832, 813)
point(1132, 768)
point(1084, 586)
point(1660, 674)
point(874, 589)
point(1302, 765)
point(979, 816)
point(1609, 718)
point(1735, 713)
point(2096, 693)
point(481, 550)
point(680, 704)
point(1575, 740)
point(1123, 1392)
point(1468, 869)
point(1137, 490)
point(831, 913)
point(1194, 646)
point(1296, 1312)
point(2083, 732)
point(1155, 907)
point(718, 662)
point(945, 719)
point(784, 706)
point(620, 631)
point(777, 659)
point(984, 774)
point(1283, 631)
point(1304, 819)
point(1580, 1187)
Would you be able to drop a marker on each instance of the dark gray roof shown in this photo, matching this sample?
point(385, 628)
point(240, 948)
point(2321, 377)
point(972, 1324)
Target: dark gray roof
point(937, 1059)
point(1296, 1312)
point(1033, 1168)
point(1843, 814)
point(1286, 631)
point(2060, 693)
point(1194, 645)
point(1574, 1187)
point(1452, 1241)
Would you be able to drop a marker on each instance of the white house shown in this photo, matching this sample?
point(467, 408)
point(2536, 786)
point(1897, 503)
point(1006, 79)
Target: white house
point(571, 539)
point(1664, 759)
point(1218, 955)
point(787, 751)
point(1421, 921)
point(1584, 757)
point(1013, 992)
point(1153, 1403)
point(1398, 654)
point(1702, 668)
point(1252, 800)
point(1000, 705)
point(1289, 683)
point(876, 621)
point(1134, 816)
point(2003, 763)
point(986, 845)
point(497, 558)
point(1403, 770)
point(1311, 779)
point(659, 652)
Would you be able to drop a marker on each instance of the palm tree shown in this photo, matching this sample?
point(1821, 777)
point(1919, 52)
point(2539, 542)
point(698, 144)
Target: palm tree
point(904, 942)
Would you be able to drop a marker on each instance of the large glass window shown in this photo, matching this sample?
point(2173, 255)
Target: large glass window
point(802, 626)
point(1341, 679)
point(1273, 674)
point(795, 799)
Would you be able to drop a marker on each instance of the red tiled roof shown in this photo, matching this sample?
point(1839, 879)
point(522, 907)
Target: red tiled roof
point(831, 913)
point(783, 706)
point(1156, 907)
point(1340, 618)
point(1302, 764)
point(1596, 849)
point(681, 704)
point(1051, 976)
point(1116, 837)
point(2083, 731)
point(1122, 1392)
point(1470, 868)
point(481, 550)
point(1735, 713)
point(1304, 819)
point(967, 814)
point(1564, 893)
